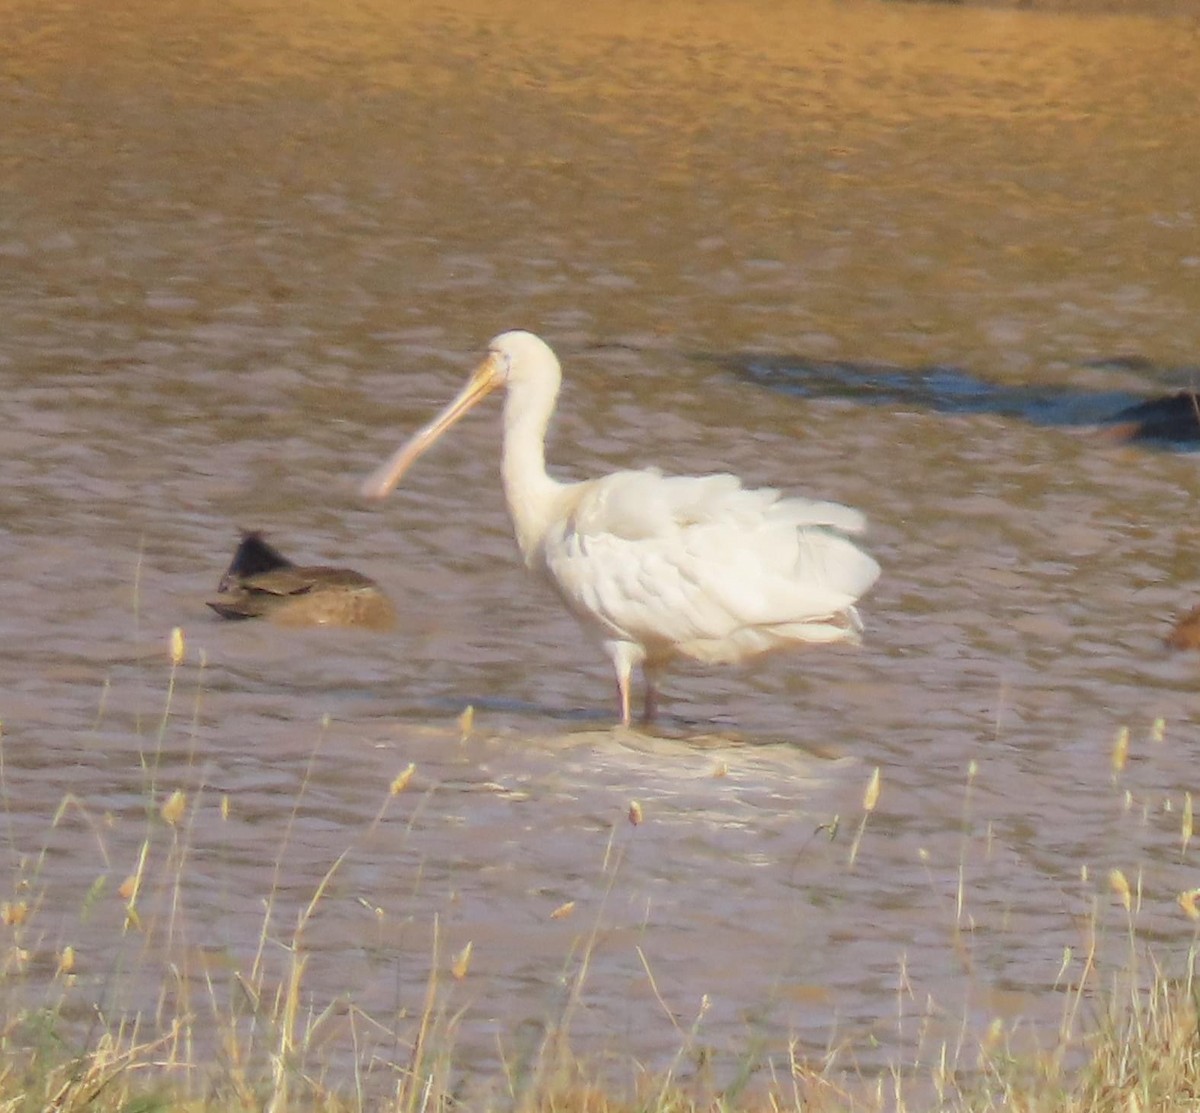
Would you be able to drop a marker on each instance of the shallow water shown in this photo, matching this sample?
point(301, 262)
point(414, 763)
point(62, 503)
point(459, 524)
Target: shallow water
point(898, 256)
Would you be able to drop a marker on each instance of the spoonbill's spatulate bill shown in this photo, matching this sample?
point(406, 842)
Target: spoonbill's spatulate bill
point(659, 566)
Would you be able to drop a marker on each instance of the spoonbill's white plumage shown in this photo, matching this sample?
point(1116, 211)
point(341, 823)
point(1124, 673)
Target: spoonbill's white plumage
point(659, 566)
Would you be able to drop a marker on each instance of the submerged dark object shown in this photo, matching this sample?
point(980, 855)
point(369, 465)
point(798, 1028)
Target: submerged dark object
point(261, 582)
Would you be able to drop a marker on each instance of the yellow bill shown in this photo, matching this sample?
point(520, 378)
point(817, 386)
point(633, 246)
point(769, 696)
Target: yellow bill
point(486, 377)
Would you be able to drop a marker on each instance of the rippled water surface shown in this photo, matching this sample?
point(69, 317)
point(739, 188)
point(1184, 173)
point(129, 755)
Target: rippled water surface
point(899, 256)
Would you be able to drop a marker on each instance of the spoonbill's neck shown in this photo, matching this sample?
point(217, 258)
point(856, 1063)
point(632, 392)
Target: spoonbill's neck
point(530, 491)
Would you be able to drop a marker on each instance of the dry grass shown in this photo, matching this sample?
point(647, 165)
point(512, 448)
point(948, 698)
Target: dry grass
point(1128, 1040)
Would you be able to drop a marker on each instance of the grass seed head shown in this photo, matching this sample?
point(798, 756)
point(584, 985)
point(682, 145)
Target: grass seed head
point(1119, 885)
point(871, 796)
point(1187, 901)
point(1120, 751)
point(563, 910)
point(400, 783)
point(173, 807)
point(466, 721)
point(461, 963)
point(993, 1038)
point(635, 812)
point(177, 646)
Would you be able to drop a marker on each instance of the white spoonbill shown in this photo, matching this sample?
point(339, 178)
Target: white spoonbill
point(659, 566)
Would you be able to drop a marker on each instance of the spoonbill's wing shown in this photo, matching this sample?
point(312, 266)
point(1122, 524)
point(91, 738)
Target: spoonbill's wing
point(706, 568)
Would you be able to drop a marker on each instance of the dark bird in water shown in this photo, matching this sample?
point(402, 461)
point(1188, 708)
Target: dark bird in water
point(261, 582)
point(1185, 634)
point(1170, 418)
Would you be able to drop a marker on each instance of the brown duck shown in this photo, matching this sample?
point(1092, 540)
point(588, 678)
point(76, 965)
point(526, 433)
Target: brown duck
point(261, 582)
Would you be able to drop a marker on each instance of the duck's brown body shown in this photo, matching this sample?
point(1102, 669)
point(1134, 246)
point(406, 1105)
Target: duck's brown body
point(262, 583)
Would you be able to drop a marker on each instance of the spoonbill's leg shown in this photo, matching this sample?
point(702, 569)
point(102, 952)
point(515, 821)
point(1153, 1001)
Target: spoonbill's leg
point(624, 656)
point(650, 707)
point(623, 697)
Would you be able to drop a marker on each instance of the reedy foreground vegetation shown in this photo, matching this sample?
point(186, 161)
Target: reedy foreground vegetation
point(1128, 1040)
